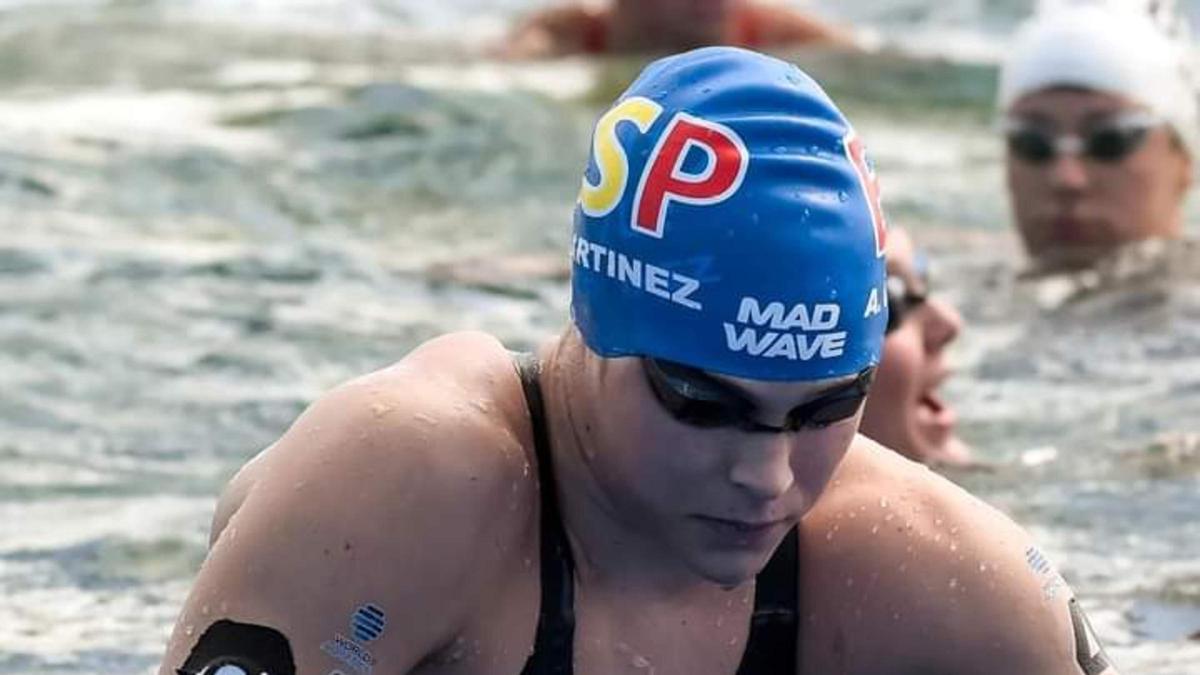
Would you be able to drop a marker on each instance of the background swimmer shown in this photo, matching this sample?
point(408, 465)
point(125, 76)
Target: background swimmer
point(648, 26)
point(905, 411)
point(1100, 120)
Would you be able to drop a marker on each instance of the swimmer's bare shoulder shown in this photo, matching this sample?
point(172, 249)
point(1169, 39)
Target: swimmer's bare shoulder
point(410, 489)
point(904, 572)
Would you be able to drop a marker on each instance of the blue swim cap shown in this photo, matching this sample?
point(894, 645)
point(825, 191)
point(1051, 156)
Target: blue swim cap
point(729, 220)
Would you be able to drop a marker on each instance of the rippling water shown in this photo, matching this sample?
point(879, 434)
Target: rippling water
point(204, 224)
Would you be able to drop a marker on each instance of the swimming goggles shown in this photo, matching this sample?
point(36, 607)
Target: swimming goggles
point(697, 399)
point(1109, 141)
point(902, 299)
point(903, 295)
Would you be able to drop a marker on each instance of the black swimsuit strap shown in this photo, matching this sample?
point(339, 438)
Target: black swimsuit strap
point(554, 646)
point(774, 626)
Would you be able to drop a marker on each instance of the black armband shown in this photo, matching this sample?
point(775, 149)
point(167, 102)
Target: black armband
point(231, 648)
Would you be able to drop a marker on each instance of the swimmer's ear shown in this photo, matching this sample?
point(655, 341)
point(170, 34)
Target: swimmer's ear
point(1089, 653)
point(231, 648)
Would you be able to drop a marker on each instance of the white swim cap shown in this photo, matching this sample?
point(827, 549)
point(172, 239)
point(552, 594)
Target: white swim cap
point(1138, 49)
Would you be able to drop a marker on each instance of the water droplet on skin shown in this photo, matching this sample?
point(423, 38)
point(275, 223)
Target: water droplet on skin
point(720, 621)
point(983, 567)
point(849, 582)
point(379, 409)
point(954, 583)
point(300, 484)
point(875, 529)
point(204, 610)
point(189, 629)
point(953, 547)
point(883, 502)
point(640, 662)
point(481, 406)
point(224, 607)
point(895, 616)
point(425, 419)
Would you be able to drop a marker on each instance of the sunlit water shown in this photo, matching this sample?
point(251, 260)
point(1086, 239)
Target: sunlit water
point(204, 226)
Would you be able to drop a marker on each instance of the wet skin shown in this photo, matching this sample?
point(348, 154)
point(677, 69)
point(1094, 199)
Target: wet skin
point(414, 489)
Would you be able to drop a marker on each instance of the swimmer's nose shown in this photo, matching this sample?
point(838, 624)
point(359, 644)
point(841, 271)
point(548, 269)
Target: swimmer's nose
point(762, 468)
point(943, 323)
point(1068, 174)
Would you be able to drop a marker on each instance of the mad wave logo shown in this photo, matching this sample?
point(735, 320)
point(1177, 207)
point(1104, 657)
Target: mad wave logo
point(367, 623)
point(775, 330)
point(665, 180)
point(857, 153)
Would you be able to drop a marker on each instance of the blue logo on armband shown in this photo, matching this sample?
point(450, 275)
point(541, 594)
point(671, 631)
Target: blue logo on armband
point(368, 622)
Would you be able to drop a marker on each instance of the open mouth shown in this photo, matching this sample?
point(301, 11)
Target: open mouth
point(933, 411)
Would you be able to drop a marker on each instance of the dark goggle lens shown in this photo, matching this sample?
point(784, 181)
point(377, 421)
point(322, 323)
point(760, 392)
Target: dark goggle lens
point(1031, 146)
point(1112, 145)
point(833, 410)
point(705, 414)
point(690, 399)
point(833, 407)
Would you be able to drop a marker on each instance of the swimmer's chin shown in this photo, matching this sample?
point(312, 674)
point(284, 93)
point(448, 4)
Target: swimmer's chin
point(731, 576)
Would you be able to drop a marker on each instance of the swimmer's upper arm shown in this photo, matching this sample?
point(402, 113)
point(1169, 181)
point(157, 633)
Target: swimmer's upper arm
point(1014, 613)
point(356, 519)
point(234, 495)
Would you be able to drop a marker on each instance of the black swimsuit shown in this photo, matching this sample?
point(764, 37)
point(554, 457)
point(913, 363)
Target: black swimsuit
point(771, 648)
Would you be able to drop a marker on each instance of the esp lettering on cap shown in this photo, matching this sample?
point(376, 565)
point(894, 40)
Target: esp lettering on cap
point(720, 177)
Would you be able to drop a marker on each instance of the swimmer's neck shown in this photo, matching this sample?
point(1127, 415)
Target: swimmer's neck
point(609, 548)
